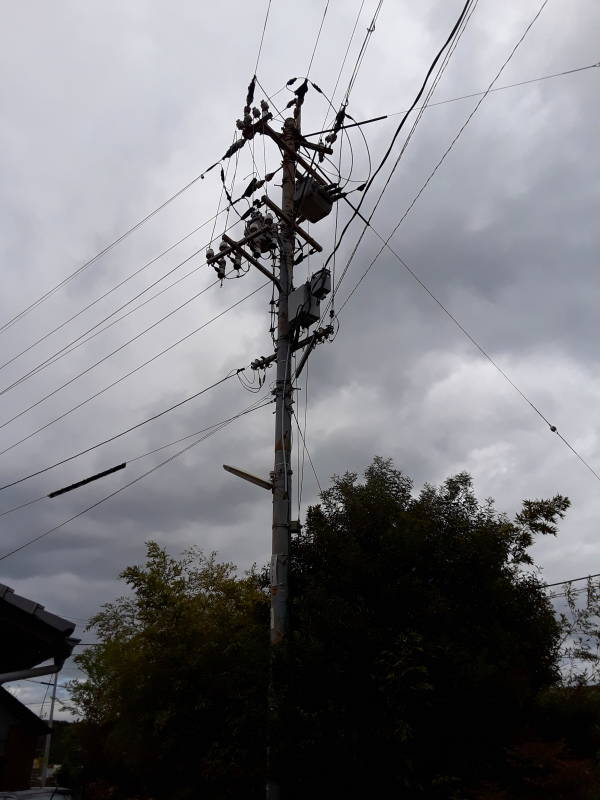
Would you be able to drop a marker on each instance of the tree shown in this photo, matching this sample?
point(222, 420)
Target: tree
point(421, 635)
point(174, 700)
point(421, 638)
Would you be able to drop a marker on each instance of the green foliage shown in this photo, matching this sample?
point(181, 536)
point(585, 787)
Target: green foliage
point(174, 699)
point(420, 641)
point(580, 633)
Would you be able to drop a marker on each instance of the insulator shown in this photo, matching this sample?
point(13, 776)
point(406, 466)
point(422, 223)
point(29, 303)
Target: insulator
point(268, 219)
point(255, 112)
point(239, 124)
point(264, 106)
point(223, 245)
point(210, 253)
point(221, 268)
point(237, 261)
point(247, 120)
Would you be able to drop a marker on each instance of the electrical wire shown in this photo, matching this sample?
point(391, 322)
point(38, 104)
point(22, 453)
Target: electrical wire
point(448, 149)
point(307, 454)
point(399, 128)
point(502, 88)
point(469, 336)
point(262, 38)
point(337, 82)
point(112, 494)
point(76, 344)
point(571, 580)
point(109, 355)
point(361, 54)
point(133, 371)
point(104, 251)
point(317, 39)
point(96, 330)
point(262, 402)
point(469, 118)
point(108, 292)
point(442, 68)
point(116, 436)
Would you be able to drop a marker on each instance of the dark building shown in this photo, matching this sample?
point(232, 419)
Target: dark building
point(29, 635)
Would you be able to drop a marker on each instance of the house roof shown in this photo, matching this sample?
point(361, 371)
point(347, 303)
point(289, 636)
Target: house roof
point(21, 714)
point(29, 634)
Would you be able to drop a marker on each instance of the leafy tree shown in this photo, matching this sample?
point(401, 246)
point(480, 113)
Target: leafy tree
point(421, 638)
point(174, 700)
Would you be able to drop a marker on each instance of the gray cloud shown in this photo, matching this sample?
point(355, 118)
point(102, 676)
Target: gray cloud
point(108, 110)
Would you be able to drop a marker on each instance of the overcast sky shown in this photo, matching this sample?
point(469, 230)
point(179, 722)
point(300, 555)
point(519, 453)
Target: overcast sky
point(109, 108)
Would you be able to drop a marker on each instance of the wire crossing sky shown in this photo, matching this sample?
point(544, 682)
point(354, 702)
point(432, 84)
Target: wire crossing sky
point(504, 235)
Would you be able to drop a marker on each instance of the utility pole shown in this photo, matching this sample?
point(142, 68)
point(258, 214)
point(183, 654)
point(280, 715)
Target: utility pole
point(48, 740)
point(282, 473)
point(306, 194)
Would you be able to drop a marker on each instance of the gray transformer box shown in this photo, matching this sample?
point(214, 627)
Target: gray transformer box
point(303, 307)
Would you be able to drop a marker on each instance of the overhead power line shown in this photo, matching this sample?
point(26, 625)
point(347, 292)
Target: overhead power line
point(571, 580)
point(124, 432)
point(104, 250)
point(386, 241)
point(469, 118)
point(312, 57)
point(386, 155)
point(500, 88)
point(469, 336)
point(109, 355)
point(258, 404)
point(262, 37)
point(123, 488)
point(134, 370)
point(111, 290)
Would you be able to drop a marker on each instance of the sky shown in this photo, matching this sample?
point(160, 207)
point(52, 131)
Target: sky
point(109, 109)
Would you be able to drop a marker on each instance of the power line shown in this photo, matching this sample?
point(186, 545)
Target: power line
point(262, 402)
point(262, 37)
point(571, 580)
point(552, 427)
point(469, 336)
point(501, 88)
point(318, 38)
point(105, 250)
point(306, 451)
point(399, 128)
point(74, 344)
point(109, 355)
point(459, 33)
point(346, 53)
point(133, 371)
point(110, 291)
point(361, 54)
point(470, 117)
point(112, 494)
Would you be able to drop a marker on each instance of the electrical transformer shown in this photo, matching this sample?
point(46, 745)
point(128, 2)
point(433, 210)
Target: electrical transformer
point(320, 283)
point(303, 307)
point(311, 200)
